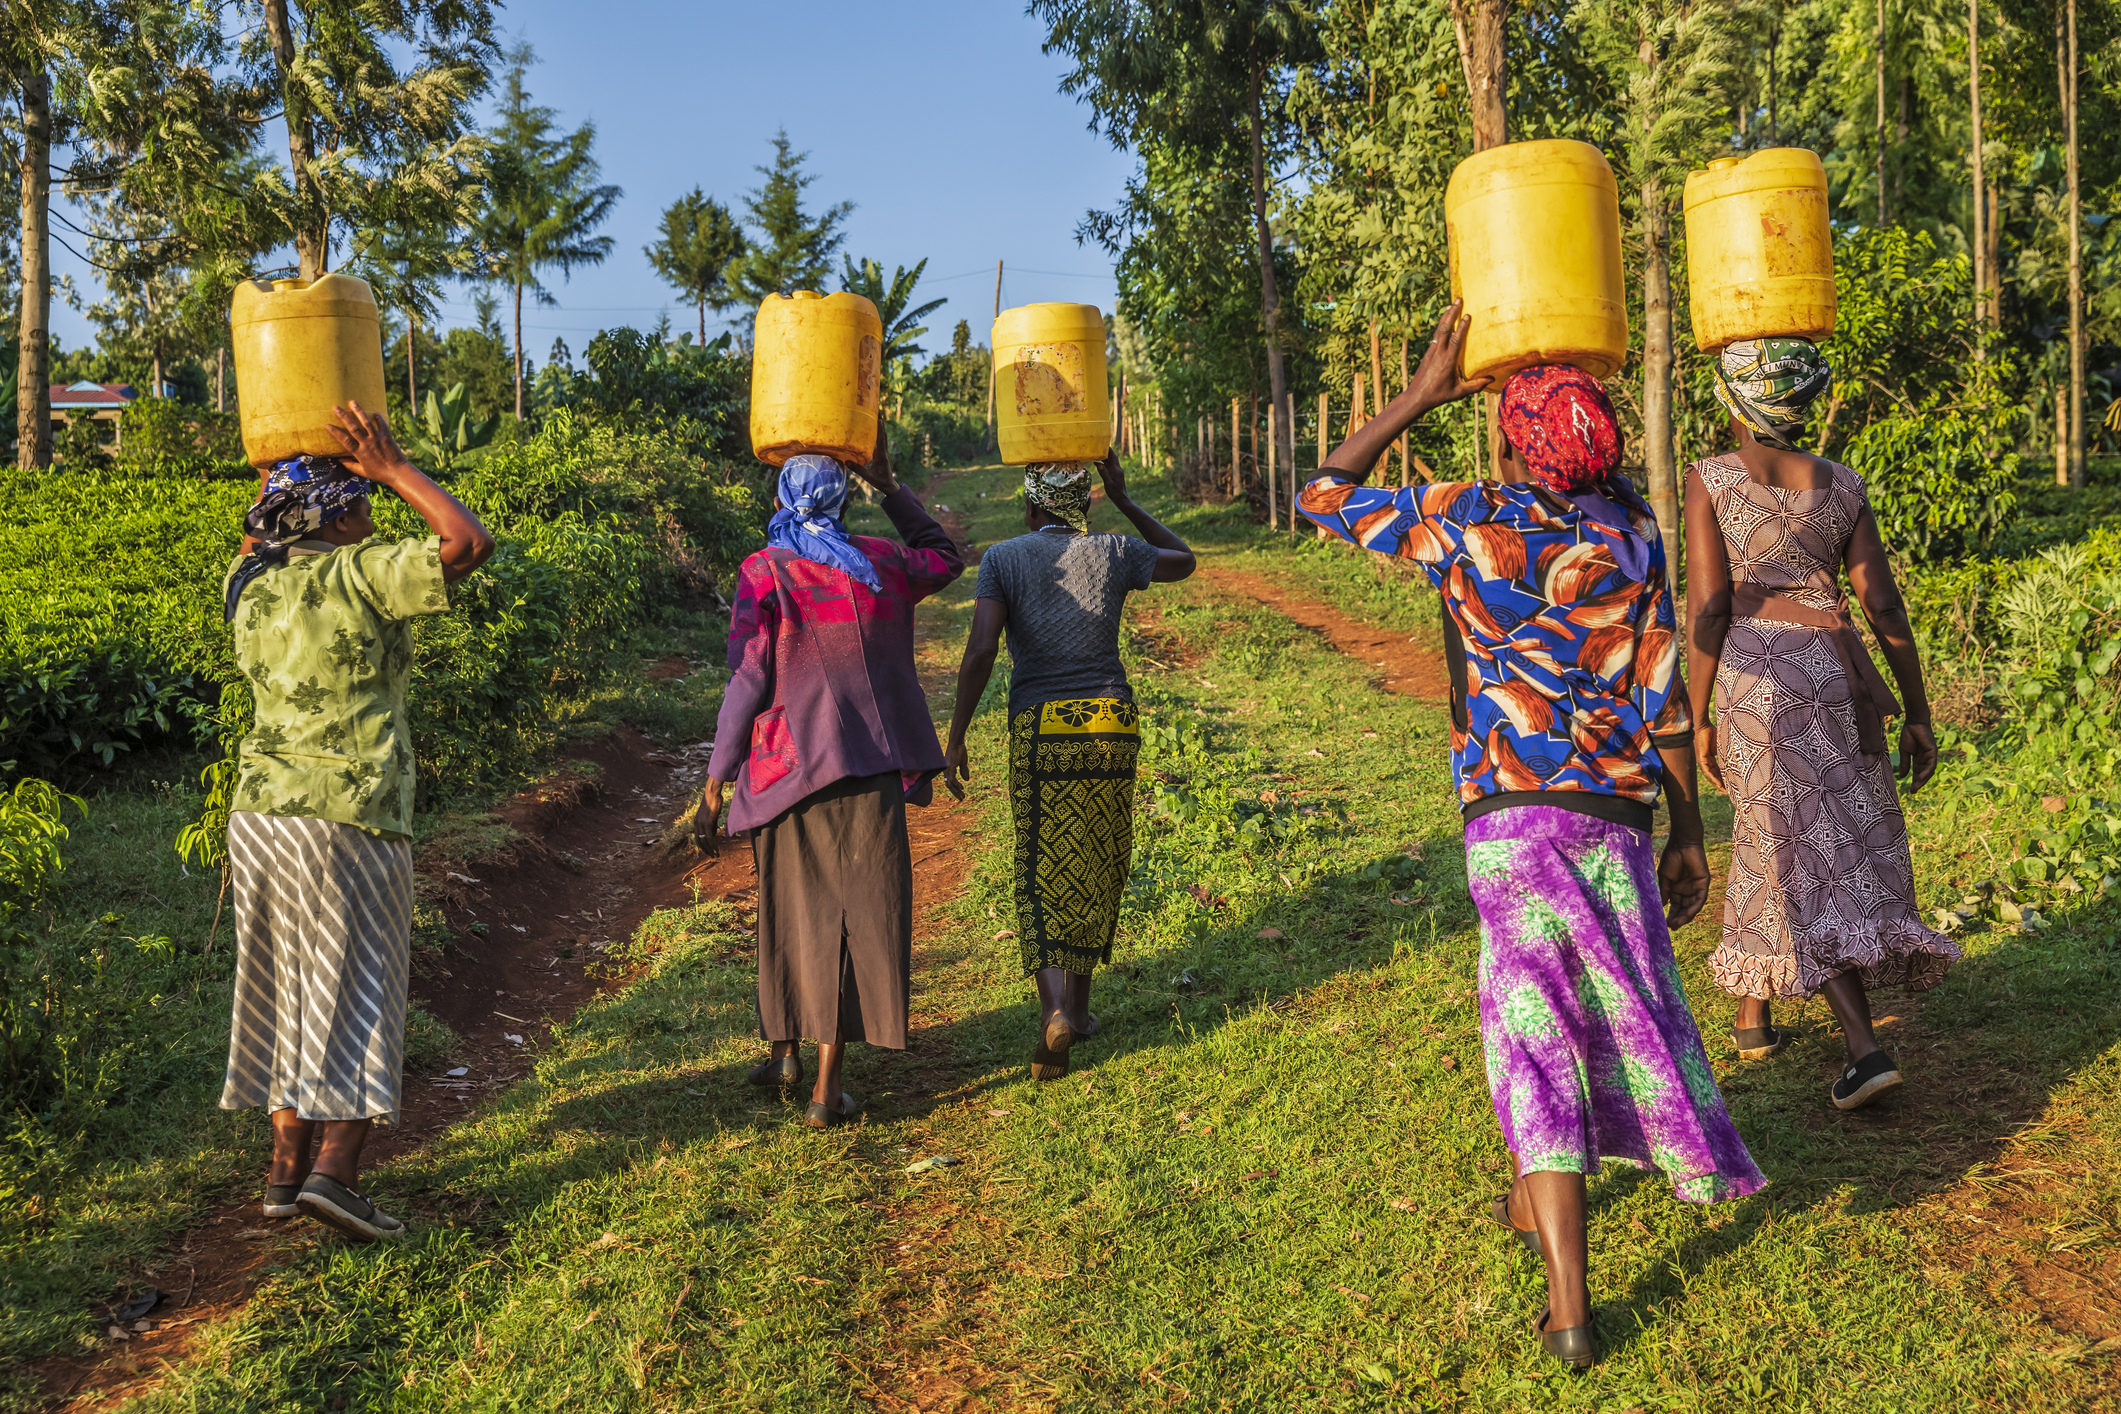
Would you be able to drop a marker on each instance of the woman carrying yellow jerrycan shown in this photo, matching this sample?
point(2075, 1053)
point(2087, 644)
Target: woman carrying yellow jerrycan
point(1821, 897)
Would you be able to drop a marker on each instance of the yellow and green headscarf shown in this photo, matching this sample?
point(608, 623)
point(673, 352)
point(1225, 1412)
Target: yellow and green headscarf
point(1769, 385)
point(1061, 490)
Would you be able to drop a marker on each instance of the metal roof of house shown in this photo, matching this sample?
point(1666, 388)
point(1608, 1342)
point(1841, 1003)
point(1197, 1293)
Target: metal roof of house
point(92, 395)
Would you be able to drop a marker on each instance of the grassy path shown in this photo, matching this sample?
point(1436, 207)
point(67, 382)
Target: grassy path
point(1261, 1187)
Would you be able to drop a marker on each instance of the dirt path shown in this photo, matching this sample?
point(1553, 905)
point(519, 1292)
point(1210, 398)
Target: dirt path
point(591, 860)
point(594, 854)
point(1410, 666)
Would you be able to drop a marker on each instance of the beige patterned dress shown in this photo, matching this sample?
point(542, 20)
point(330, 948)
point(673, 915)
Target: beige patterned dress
point(1820, 879)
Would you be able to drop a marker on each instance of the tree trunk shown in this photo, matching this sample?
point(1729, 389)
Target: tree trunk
point(294, 103)
point(1489, 86)
point(1993, 229)
point(519, 350)
point(33, 382)
point(2076, 266)
point(1881, 112)
point(1980, 193)
point(1658, 463)
point(2061, 435)
point(1269, 296)
point(412, 381)
point(221, 379)
point(703, 323)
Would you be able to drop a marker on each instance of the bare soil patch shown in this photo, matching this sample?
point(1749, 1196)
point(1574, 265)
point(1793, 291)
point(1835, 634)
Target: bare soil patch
point(1398, 663)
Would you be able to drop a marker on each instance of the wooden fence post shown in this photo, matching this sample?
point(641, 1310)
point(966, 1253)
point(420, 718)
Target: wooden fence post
point(1324, 416)
point(1235, 447)
point(1272, 443)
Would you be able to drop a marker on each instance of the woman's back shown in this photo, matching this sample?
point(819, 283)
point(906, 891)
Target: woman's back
point(1064, 593)
point(1792, 539)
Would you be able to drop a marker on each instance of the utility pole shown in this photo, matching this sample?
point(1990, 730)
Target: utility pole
point(991, 443)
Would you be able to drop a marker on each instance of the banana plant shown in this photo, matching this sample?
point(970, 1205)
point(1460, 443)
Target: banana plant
point(450, 430)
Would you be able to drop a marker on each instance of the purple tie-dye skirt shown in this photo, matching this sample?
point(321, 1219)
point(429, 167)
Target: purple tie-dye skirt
point(1592, 1052)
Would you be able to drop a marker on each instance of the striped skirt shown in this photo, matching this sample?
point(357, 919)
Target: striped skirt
point(1071, 791)
point(323, 915)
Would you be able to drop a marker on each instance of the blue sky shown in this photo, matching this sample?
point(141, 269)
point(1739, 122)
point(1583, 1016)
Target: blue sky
point(942, 121)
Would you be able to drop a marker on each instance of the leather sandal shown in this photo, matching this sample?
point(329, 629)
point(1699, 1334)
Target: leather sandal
point(786, 1070)
point(1499, 1214)
point(1049, 1058)
point(1571, 1347)
point(823, 1116)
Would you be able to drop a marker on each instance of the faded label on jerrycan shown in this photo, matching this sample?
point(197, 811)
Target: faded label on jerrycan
point(866, 370)
point(1049, 379)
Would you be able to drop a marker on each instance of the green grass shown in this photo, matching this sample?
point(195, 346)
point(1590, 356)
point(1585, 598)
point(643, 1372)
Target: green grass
point(1261, 1188)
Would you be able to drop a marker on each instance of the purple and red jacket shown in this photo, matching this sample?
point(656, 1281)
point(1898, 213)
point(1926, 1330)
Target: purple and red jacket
point(824, 686)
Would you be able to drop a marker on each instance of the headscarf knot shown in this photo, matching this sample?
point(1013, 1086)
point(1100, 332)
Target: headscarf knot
point(302, 496)
point(1769, 385)
point(813, 494)
point(1061, 490)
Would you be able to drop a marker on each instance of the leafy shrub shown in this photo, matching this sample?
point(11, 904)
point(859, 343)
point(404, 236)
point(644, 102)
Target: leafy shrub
point(32, 828)
point(1940, 486)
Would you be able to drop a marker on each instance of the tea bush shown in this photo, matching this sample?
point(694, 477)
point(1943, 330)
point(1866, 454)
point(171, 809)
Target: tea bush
point(114, 638)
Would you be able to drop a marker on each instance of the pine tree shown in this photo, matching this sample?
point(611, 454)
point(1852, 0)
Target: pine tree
point(543, 202)
point(792, 251)
point(699, 240)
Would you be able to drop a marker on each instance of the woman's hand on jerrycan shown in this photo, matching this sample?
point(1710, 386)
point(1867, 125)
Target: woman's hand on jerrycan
point(1436, 380)
point(369, 445)
point(878, 473)
point(1108, 471)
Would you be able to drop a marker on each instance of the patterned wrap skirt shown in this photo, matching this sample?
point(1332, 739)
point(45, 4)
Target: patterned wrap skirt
point(323, 915)
point(1821, 881)
point(1071, 791)
point(1592, 1053)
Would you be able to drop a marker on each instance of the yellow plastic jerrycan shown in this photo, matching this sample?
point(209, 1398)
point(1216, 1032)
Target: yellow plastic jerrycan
point(303, 347)
point(1760, 255)
point(1534, 241)
point(1050, 399)
point(814, 369)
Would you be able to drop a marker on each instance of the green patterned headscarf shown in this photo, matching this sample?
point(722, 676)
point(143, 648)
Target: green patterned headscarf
point(1061, 490)
point(1769, 385)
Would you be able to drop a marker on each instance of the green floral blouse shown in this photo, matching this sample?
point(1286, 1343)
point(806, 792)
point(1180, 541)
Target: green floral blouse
point(326, 641)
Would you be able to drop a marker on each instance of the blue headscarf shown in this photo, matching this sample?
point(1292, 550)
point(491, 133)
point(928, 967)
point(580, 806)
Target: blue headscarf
point(813, 491)
point(302, 496)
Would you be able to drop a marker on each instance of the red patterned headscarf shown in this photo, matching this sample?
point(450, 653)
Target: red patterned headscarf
point(1561, 423)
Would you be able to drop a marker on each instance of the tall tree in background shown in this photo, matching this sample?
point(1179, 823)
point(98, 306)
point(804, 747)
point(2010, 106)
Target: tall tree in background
point(891, 298)
point(1674, 59)
point(362, 133)
point(791, 250)
point(30, 34)
point(543, 202)
point(699, 240)
point(2066, 87)
point(1204, 81)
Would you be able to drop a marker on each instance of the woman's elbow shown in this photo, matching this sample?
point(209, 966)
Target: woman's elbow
point(1174, 565)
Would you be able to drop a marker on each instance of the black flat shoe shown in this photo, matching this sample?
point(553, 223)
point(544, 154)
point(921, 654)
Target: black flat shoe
point(788, 1070)
point(1571, 1347)
point(1757, 1043)
point(823, 1116)
point(1499, 1214)
point(1864, 1081)
point(1049, 1058)
point(280, 1200)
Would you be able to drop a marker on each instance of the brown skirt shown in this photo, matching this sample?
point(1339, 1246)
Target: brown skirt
point(836, 915)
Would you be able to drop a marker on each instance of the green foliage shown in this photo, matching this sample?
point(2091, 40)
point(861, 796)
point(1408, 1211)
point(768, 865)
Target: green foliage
point(164, 437)
point(699, 240)
point(702, 394)
point(32, 828)
point(1940, 486)
point(891, 298)
point(791, 249)
point(448, 430)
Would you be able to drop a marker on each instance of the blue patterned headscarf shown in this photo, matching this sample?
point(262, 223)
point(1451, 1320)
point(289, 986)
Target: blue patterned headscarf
point(813, 492)
point(302, 496)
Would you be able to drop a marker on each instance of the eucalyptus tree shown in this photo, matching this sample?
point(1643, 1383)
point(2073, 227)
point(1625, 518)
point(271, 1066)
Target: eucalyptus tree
point(1206, 82)
point(698, 241)
point(542, 201)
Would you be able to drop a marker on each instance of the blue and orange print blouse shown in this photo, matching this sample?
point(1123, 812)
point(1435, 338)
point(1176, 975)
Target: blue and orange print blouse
point(1563, 668)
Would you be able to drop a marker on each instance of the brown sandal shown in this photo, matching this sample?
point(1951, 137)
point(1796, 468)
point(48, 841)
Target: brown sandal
point(1049, 1058)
